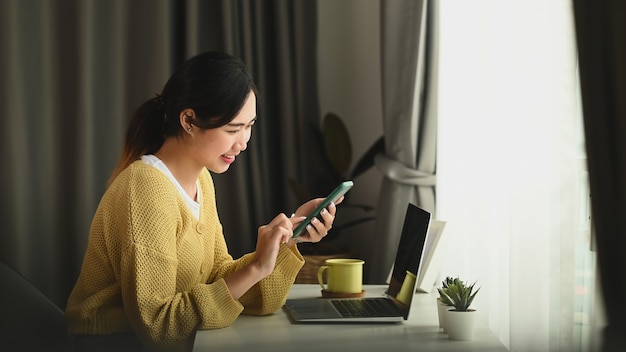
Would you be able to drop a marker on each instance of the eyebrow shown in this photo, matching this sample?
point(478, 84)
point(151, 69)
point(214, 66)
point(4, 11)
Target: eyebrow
point(241, 124)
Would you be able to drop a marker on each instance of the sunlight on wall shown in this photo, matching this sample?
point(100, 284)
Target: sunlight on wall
point(511, 167)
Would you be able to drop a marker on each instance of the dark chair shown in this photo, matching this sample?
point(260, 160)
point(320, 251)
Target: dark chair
point(29, 321)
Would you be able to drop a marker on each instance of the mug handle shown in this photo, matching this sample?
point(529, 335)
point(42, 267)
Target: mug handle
point(319, 276)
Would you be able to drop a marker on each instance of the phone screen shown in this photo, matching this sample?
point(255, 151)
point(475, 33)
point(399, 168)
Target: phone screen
point(332, 197)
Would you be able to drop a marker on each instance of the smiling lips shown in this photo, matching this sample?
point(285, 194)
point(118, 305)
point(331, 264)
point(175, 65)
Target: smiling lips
point(229, 159)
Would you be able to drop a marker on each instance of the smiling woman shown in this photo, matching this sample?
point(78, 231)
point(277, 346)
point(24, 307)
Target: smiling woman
point(157, 266)
point(77, 70)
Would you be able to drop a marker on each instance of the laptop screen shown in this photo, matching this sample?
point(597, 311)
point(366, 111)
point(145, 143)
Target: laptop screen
point(409, 256)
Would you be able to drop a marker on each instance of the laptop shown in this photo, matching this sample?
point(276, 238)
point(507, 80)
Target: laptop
point(395, 305)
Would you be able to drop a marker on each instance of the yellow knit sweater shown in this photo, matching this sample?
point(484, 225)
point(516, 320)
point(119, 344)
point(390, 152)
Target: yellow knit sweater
point(152, 268)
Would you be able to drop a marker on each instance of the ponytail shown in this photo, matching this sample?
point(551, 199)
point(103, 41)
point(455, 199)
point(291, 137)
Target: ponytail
point(144, 134)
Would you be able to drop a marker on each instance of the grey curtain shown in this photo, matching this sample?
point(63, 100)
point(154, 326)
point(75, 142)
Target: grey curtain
point(601, 38)
point(409, 75)
point(277, 40)
point(74, 71)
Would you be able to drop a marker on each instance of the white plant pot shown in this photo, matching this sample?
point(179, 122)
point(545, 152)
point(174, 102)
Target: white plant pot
point(460, 325)
point(441, 313)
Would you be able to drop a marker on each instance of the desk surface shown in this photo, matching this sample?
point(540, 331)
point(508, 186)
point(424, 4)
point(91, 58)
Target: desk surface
point(276, 332)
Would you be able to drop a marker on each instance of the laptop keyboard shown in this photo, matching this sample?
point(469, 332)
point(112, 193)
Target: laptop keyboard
point(370, 307)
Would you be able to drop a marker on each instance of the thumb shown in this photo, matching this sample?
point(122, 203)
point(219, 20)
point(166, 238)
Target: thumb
point(285, 238)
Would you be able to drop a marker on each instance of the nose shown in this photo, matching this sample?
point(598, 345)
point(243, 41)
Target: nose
point(245, 137)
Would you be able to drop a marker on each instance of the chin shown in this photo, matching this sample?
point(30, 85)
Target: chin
point(219, 170)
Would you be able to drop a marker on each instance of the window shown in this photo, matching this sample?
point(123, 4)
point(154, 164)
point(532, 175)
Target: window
point(511, 175)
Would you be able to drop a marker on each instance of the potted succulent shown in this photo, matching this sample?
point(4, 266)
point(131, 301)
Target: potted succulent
point(443, 302)
point(460, 318)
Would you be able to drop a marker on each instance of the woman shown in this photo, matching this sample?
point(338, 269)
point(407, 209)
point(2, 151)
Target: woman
point(157, 267)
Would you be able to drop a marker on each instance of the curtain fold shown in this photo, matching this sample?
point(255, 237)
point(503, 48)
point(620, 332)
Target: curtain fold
point(409, 124)
point(601, 39)
point(73, 73)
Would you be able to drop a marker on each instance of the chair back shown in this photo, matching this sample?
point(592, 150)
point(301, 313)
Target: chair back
point(29, 321)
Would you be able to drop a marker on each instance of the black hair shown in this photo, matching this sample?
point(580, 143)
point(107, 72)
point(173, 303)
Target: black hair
point(214, 85)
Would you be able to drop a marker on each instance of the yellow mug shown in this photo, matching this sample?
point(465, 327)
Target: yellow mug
point(344, 275)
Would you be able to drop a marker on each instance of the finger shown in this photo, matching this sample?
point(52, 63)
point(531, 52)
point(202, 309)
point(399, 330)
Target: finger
point(286, 237)
point(282, 232)
point(327, 218)
point(270, 239)
point(281, 220)
point(313, 235)
point(332, 208)
point(317, 229)
point(275, 232)
point(296, 220)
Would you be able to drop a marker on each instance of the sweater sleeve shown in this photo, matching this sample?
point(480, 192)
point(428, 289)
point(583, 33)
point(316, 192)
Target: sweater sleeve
point(270, 293)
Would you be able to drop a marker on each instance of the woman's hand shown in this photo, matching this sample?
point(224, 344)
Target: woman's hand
point(269, 238)
point(319, 226)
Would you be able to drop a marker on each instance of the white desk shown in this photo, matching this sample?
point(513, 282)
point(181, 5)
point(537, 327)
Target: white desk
point(276, 332)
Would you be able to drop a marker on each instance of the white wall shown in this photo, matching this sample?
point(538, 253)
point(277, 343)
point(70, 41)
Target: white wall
point(349, 85)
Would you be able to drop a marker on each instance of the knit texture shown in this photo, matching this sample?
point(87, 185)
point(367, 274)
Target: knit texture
point(152, 268)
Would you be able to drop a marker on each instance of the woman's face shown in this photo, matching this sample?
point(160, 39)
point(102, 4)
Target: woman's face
point(218, 147)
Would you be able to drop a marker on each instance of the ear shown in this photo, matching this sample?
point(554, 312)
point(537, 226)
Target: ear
point(186, 118)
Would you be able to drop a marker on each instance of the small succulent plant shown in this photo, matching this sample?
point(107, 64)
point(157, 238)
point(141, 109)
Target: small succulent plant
point(444, 285)
point(458, 294)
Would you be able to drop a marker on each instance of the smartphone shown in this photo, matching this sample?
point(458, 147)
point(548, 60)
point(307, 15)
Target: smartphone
point(332, 197)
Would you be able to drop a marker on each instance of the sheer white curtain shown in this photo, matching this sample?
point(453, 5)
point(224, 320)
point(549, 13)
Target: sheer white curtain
point(511, 169)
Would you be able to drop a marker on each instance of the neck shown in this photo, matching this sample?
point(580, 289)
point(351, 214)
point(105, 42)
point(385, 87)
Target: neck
point(173, 154)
